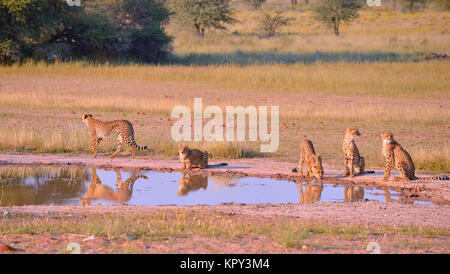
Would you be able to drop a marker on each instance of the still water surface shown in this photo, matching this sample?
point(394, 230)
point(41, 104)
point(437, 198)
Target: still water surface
point(71, 186)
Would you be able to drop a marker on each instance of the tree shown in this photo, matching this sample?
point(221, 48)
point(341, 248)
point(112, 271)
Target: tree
point(255, 4)
point(294, 2)
point(335, 12)
point(141, 23)
point(411, 4)
point(445, 4)
point(51, 29)
point(203, 15)
point(270, 25)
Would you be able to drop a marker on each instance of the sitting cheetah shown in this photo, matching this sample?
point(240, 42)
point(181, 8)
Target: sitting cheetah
point(351, 154)
point(99, 130)
point(395, 154)
point(313, 162)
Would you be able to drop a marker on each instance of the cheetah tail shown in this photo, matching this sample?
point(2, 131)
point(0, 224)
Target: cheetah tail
point(216, 165)
point(133, 144)
point(434, 178)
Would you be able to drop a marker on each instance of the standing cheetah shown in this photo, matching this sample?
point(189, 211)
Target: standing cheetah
point(396, 155)
point(97, 190)
point(351, 154)
point(99, 130)
point(313, 162)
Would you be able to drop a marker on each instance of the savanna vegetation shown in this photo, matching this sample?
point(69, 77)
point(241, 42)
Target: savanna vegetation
point(184, 230)
point(374, 75)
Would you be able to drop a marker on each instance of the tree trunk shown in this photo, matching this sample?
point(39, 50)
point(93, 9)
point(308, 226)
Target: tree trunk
point(411, 6)
point(336, 27)
point(197, 28)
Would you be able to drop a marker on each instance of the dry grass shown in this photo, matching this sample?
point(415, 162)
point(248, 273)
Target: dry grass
point(179, 224)
point(367, 78)
point(8, 175)
point(42, 105)
point(418, 80)
point(375, 31)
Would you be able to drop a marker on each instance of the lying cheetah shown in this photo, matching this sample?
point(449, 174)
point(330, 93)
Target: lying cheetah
point(195, 158)
point(351, 154)
point(395, 154)
point(192, 182)
point(99, 130)
point(313, 162)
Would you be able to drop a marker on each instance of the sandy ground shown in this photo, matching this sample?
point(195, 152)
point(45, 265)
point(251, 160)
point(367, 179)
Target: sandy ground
point(368, 214)
point(436, 191)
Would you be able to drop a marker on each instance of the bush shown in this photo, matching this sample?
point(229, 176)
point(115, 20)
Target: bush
point(270, 25)
point(255, 4)
point(204, 14)
point(335, 12)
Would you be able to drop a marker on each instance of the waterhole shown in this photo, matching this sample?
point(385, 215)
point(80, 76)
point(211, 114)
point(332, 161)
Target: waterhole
point(88, 186)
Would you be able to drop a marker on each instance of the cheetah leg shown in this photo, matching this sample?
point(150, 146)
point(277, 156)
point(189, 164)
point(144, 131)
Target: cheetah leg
point(346, 172)
point(362, 165)
point(133, 151)
point(94, 144)
point(118, 179)
point(300, 190)
point(308, 170)
point(403, 177)
point(119, 147)
point(387, 171)
point(184, 165)
point(352, 166)
point(300, 166)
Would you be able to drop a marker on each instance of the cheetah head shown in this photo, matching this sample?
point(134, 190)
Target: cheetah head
point(387, 137)
point(317, 168)
point(353, 132)
point(183, 150)
point(85, 117)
